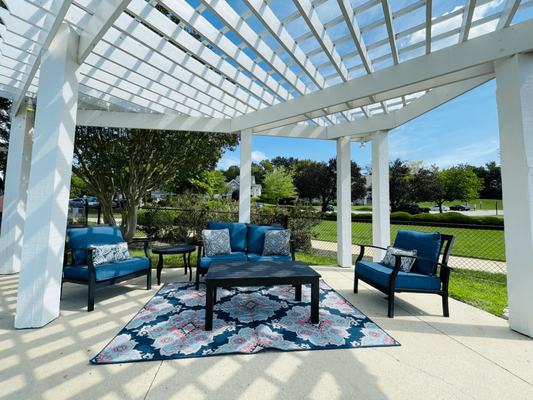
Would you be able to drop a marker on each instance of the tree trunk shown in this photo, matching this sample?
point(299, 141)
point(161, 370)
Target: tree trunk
point(129, 222)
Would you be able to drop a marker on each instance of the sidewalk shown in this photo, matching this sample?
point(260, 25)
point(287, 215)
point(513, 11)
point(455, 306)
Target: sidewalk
point(471, 355)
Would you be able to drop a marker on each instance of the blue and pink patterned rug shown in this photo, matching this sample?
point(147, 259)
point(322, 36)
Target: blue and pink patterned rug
point(246, 320)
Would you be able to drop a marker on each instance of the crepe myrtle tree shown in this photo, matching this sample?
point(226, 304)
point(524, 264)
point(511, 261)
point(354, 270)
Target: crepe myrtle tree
point(459, 183)
point(133, 162)
point(279, 184)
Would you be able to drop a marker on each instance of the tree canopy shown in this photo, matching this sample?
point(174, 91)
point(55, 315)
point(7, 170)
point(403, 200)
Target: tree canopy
point(279, 184)
point(319, 180)
point(133, 162)
point(459, 183)
point(399, 183)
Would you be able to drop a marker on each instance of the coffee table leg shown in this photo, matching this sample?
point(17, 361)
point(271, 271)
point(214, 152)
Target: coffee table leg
point(159, 268)
point(209, 307)
point(315, 293)
point(298, 292)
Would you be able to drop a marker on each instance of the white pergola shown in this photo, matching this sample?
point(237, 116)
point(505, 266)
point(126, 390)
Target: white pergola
point(342, 70)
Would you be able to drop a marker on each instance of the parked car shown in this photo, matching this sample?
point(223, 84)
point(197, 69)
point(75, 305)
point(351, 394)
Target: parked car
point(460, 207)
point(78, 203)
point(412, 208)
point(259, 204)
point(437, 208)
point(93, 202)
point(330, 208)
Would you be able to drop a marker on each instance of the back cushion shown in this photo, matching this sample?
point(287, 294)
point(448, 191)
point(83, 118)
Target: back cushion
point(427, 245)
point(98, 236)
point(237, 234)
point(256, 237)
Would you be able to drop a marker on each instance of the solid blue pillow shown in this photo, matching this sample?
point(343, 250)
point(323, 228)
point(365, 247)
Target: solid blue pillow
point(237, 233)
point(256, 237)
point(426, 244)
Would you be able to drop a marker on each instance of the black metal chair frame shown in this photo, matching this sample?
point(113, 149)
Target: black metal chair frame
point(93, 284)
point(445, 270)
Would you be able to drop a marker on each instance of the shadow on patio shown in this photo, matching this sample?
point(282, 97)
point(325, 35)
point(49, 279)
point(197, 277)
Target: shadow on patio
point(472, 354)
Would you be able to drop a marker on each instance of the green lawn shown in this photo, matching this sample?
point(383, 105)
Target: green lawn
point(488, 245)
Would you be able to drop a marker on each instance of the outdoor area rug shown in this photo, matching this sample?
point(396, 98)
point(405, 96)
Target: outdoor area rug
point(245, 320)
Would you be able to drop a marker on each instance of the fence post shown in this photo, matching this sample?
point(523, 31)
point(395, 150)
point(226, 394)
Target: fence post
point(99, 214)
point(194, 222)
point(285, 221)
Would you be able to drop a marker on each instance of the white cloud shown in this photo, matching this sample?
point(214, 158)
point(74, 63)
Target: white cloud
point(258, 156)
point(227, 161)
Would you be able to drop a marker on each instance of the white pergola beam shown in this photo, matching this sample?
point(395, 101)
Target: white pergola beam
point(310, 16)
point(508, 13)
point(468, 14)
point(429, 24)
point(423, 69)
point(387, 12)
point(152, 121)
point(102, 19)
point(54, 19)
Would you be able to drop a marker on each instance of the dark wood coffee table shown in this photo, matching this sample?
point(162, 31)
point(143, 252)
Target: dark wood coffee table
point(268, 273)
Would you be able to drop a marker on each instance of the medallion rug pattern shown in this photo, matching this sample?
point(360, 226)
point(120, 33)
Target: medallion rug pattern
point(246, 320)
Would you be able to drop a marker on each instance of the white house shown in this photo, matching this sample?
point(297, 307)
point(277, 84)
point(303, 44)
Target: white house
point(255, 190)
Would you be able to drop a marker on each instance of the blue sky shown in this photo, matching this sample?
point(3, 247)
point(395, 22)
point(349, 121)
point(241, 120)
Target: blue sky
point(464, 130)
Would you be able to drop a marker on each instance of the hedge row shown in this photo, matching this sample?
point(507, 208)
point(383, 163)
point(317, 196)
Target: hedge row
point(447, 218)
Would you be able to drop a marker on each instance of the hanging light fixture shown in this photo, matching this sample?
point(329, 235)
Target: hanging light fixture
point(30, 107)
point(362, 144)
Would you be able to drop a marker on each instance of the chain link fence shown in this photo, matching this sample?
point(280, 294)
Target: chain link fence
point(476, 248)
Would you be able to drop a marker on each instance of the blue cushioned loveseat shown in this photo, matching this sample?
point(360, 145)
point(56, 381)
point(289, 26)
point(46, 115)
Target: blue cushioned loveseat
point(424, 276)
point(246, 243)
point(82, 268)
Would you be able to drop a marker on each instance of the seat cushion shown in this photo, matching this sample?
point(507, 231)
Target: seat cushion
point(107, 271)
point(256, 237)
point(97, 236)
point(237, 234)
point(205, 262)
point(426, 244)
point(260, 257)
point(404, 280)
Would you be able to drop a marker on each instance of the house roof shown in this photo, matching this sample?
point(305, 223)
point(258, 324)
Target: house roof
point(311, 69)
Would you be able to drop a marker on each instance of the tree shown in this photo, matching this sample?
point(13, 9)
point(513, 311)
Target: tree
point(459, 183)
point(492, 180)
point(399, 183)
point(5, 129)
point(279, 184)
point(288, 163)
point(232, 172)
point(260, 170)
point(319, 180)
point(132, 162)
point(426, 186)
point(78, 187)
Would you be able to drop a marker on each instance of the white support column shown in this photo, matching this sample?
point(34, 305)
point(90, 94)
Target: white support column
point(514, 95)
point(246, 176)
point(49, 184)
point(380, 192)
point(16, 189)
point(344, 202)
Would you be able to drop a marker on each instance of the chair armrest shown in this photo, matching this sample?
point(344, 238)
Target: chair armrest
point(200, 252)
point(362, 251)
point(145, 247)
point(292, 244)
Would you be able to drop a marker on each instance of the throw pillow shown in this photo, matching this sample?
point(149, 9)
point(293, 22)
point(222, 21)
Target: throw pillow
point(406, 262)
point(277, 243)
point(216, 242)
point(110, 252)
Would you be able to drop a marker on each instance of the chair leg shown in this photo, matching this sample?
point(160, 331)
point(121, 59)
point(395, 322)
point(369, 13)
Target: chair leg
point(445, 308)
point(391, 304)
point(149, 280)
point(90, 302)
point(355, 284)
point(197, 278)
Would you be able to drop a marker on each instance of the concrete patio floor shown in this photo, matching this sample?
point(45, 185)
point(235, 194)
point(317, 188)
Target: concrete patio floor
point(471, 355)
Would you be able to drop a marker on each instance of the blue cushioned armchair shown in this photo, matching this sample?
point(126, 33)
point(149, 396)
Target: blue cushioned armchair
point(246, 242)
point(82, 269)
point(423, 276)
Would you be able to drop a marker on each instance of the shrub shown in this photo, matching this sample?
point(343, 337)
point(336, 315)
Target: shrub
point(402, 216)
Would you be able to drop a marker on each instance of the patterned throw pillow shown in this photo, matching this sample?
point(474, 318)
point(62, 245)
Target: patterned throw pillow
point(277, 243)
point(110, 252)
point(216, 242)
point(390, 261)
